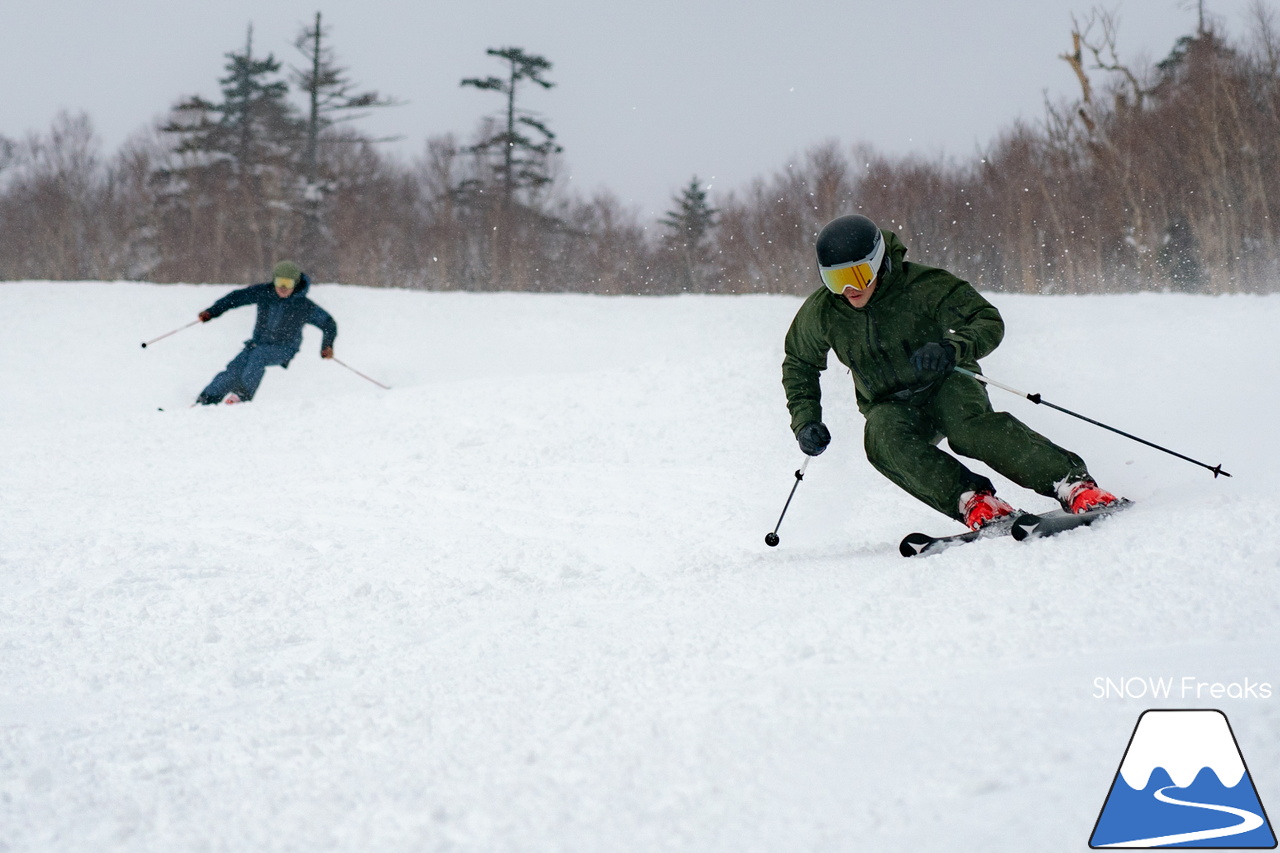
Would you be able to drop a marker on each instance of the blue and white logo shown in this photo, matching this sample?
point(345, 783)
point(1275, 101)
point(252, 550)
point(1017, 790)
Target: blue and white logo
point(1183, 783)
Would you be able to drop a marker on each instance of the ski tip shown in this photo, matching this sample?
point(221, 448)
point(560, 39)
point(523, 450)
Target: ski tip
point(914, 544)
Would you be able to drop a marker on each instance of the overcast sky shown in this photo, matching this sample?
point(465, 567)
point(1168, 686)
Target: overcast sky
point(649, 92)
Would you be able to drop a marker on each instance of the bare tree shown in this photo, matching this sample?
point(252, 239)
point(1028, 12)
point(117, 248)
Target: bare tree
point(48, 220)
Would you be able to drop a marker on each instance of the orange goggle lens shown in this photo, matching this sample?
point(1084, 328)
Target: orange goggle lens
point(856, 275)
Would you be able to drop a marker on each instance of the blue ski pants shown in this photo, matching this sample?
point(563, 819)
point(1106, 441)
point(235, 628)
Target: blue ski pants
point(244, 372)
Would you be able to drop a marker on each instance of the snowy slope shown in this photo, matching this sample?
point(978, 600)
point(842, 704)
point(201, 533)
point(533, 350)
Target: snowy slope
point(522, 601)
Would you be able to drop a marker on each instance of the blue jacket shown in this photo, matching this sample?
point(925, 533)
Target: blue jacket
point(280, 321)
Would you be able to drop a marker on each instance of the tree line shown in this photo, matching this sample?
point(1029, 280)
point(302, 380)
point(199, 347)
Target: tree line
point(1160, 177)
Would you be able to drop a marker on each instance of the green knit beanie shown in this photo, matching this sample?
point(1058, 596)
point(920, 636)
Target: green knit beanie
point(287, 269)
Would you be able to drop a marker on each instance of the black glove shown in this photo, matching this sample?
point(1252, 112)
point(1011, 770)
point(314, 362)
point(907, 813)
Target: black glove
point(814, 438)
point(934, 358)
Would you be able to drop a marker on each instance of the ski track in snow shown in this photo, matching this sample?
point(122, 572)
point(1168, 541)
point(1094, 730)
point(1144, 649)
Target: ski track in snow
point(522, 600)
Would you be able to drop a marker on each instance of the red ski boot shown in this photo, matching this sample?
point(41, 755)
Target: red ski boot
point(1084, 495)
point(979, 508)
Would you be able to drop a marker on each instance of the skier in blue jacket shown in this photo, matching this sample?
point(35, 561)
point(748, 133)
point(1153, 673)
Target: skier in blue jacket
point(283, 309)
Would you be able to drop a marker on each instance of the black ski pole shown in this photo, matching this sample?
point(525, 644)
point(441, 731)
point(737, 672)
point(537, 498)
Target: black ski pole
point(358, 373)
point(167, 334)
point(771, 539)
point(1035, 398)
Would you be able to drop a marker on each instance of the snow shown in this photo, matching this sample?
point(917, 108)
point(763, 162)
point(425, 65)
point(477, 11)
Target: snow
point(522, 601)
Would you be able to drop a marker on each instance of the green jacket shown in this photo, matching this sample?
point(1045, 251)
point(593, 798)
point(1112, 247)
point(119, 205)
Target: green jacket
point(913, 305)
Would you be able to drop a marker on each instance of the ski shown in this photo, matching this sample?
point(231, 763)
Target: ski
point(1022, 526)
point(916, 544)
point(1030, 526)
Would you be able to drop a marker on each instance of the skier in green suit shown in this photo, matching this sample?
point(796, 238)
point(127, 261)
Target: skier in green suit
point(900, 328)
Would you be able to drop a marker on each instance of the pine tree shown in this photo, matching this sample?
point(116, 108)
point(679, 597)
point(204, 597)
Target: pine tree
point(524, 146)
point(233, 175)
point(8, 152)
point(254, 126)
point(690, 225)
point(694, 216)
point(331, 99)
point(524, 159)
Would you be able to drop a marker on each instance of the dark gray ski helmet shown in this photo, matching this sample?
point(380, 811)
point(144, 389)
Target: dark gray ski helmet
point(850, 252)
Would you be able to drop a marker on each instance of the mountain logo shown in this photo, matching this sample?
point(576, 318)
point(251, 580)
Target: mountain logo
point(1183, 783)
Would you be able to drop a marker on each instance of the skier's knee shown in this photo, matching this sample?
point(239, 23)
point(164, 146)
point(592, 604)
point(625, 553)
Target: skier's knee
point(972, 436)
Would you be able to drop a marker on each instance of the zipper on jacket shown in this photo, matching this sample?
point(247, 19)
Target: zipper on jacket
point(888, 377)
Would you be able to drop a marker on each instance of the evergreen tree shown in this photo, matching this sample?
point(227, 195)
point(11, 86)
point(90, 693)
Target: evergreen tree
point(8, 151)
point(524, 158)
point(1179, 255)
point(331, 99)
point(690, 224)
point(233, 171)
point(694, 216)
point(524, 146)
point(253, 127)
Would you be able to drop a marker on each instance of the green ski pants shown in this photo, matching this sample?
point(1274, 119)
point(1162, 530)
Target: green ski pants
point(901, 441)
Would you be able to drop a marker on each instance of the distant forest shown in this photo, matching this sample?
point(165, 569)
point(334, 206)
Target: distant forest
point(1154, 178)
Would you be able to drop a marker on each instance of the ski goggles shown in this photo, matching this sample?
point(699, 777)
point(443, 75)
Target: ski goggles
point(285, 283)
point(855, 274)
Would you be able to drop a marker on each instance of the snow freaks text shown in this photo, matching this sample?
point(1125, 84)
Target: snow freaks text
point(1184, 687)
